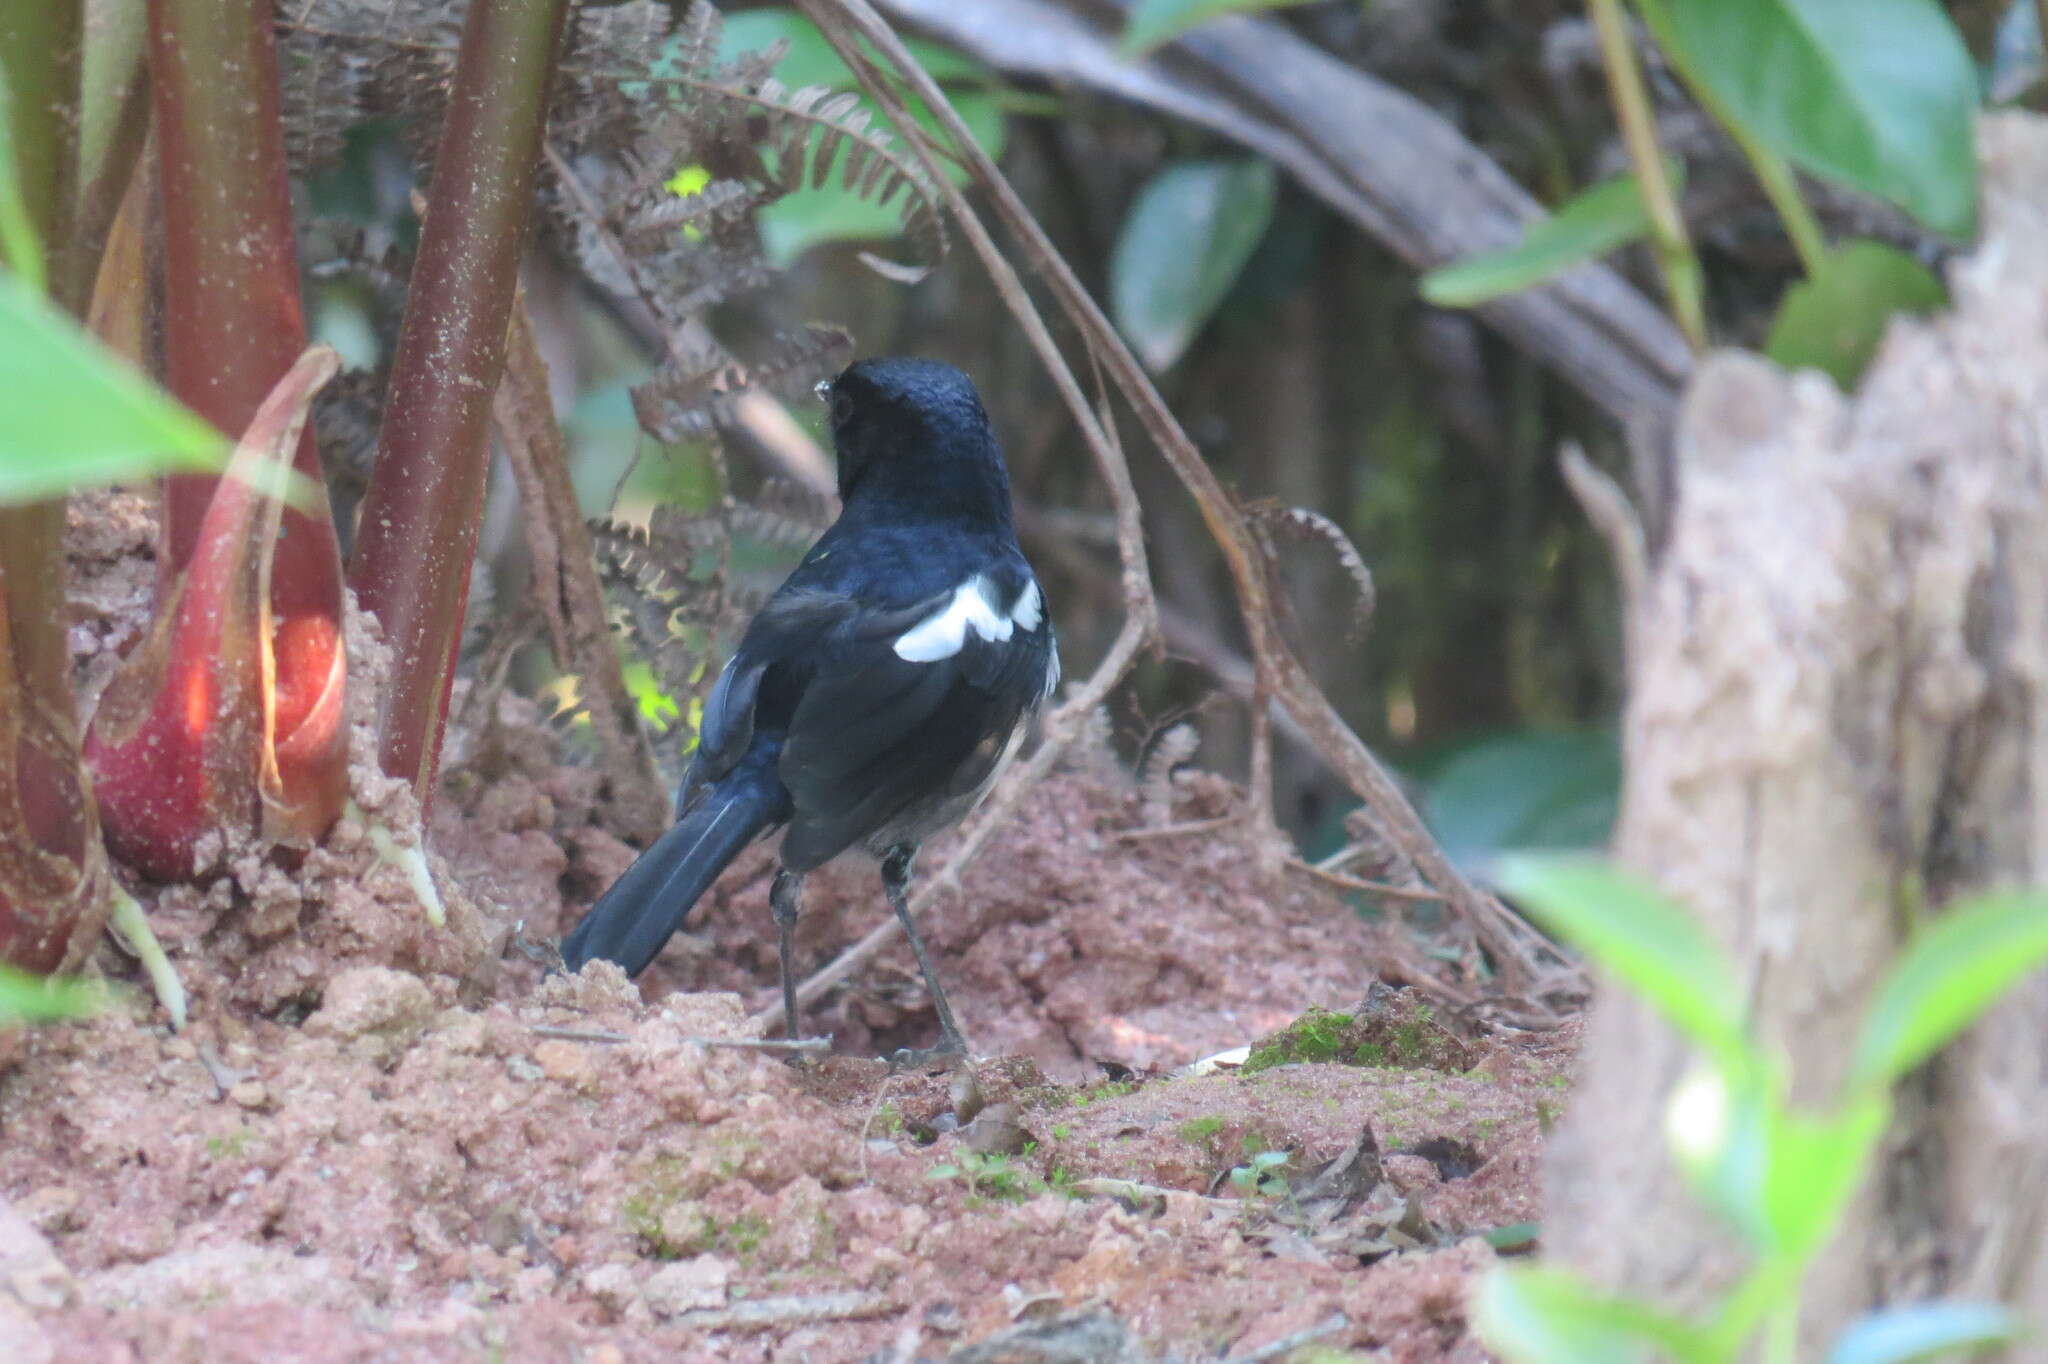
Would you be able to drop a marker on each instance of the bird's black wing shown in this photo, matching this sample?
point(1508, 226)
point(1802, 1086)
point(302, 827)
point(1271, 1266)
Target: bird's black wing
point(876, 734)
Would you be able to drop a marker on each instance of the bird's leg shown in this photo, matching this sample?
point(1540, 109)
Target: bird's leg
point(896, 885)
point(785, 897)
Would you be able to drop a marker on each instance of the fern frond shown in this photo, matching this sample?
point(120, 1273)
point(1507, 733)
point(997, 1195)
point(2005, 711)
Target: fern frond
point(1300, 523)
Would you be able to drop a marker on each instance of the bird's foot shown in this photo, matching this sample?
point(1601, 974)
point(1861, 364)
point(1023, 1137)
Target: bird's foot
point(806, 1052)
point(951, 1048)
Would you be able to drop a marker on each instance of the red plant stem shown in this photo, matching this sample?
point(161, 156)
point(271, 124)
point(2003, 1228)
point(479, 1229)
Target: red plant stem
point(41, 46)
point(231, 715)
point(417, 537)
point(52, 876)
point(232, 318)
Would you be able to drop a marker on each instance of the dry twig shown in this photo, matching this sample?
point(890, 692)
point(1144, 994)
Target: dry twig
point(565, 584)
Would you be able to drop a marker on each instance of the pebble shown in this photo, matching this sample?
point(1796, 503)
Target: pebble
point(50, 1208)
point(687, 1285)
point(249, 1094)
point(611, 1284)
point(565, 1062)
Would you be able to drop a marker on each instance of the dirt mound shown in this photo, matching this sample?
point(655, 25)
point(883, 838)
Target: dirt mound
point(380, 1139)
point(403, 1177)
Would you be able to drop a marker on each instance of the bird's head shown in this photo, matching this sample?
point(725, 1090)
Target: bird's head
point(911, 423)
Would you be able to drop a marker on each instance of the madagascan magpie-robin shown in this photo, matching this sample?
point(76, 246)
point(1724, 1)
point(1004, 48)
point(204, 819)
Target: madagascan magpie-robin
point(877, 693)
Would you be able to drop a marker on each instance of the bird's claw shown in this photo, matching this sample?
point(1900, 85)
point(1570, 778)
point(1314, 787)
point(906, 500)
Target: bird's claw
point(951, 1048)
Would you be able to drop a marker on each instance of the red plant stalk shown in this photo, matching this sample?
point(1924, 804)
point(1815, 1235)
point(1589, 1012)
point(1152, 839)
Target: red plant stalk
point(54, 880)
point(233, 327)
point(190, 735)
point(418, 529)
point(53, 870)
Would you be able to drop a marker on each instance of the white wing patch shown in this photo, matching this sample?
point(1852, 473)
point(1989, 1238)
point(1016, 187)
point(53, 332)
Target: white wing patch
point(1026, 613)
point(971, 607)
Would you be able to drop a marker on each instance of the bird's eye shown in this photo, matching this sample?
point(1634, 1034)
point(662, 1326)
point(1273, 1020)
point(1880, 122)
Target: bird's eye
point(842, 408)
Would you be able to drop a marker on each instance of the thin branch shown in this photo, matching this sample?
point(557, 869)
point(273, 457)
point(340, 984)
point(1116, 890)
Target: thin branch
point(565, 583)
point(1344, 882)
point(601, 1037)
point(1676, 262)
point(1780, 186)
point(1607, 507)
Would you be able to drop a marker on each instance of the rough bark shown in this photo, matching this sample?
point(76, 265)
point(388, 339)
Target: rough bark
point(1839, 702)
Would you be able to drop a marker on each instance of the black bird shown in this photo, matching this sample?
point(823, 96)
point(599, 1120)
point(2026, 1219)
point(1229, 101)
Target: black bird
point(876, 694)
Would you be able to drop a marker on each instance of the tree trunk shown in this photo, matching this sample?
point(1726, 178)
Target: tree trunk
point(1839, 705)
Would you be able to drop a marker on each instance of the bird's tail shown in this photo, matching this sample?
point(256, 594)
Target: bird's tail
point(633, 920)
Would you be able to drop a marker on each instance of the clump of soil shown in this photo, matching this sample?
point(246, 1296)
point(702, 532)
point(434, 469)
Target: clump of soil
point(381, 1139)
point(1388, 1028)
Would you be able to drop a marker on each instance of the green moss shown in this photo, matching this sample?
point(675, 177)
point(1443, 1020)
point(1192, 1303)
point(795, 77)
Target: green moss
point(1200, 1130)
point(233, 1146)
point(1317, 1035)
point(1108, 1089)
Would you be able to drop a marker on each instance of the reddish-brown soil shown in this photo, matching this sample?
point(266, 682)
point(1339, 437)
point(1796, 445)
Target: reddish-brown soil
point(378, 1140)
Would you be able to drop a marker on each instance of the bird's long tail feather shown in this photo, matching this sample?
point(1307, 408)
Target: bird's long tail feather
point(634, 919)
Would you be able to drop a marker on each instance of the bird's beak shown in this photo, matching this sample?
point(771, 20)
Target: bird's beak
point(824, 390)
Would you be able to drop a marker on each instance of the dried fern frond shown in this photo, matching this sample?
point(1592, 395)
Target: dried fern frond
point(1302, 524)
point(692, 390)
point(807, 129)
point(675, 595)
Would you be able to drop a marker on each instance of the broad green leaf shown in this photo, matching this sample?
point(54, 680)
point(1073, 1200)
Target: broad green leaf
point(1153, 22)
point(1948, 975)
point(1533, 1314)
point(1585, 227)
point(77, 414)
point(41, 999)
point(1924, 1331)
point(1877, 94)
point(1834, 320)
point(1187, 236)
point(20, 250)
point(1523, 790)
point(1813, 1166)
point(1642, 939)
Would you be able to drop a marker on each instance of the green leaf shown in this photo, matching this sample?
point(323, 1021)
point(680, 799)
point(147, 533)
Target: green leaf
point(1153, 22)
point(1523, 790)
point(1516, 1238)
point(1533, 1314)
point(77, 414)
point(1190, 231)
point(1812, 1167)
point(1644, 940)
point(19, 248)
point(1948, 975)
point(1585, 227)
point(810, 60)
point(1877, 94)
point(1928, 1330)
point(1834, 321)
point(42, 999)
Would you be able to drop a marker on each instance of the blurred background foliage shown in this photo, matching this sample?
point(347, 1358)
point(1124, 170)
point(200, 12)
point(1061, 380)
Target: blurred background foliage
point(1300, 354)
